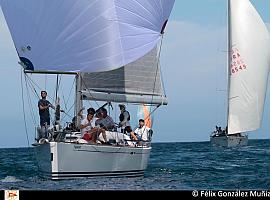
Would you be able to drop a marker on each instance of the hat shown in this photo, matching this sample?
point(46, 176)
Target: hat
point(122, 105)
point(141, 120)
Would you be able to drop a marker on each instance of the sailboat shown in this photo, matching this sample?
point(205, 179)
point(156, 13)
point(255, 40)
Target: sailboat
point(113, 49)
point(248, 68)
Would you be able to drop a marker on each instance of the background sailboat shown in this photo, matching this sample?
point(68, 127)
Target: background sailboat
point(113, 49)
point(248, 68)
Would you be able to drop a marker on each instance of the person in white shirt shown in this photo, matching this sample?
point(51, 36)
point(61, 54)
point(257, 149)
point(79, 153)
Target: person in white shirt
point(88, 130)
point(141, 133)
point(83, 116)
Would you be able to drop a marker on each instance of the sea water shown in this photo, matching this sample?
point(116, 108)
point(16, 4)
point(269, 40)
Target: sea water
point(172, 166)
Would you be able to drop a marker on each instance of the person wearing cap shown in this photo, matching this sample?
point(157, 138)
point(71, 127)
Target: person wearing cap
point(124, 119)
point(142, 132)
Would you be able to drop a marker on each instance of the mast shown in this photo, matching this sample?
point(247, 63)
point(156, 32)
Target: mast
point(78, 99)
point(57, 102)
point(228, 56)
point(57, 87)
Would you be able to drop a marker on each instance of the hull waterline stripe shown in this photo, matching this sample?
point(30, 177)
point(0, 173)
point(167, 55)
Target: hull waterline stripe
point(99, 175)
point(102, 172)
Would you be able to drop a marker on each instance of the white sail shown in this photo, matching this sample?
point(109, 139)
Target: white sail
point(137, 82)
point(249, 67)
point(84, 35)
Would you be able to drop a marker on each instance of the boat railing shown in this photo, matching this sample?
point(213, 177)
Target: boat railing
point(115, 138)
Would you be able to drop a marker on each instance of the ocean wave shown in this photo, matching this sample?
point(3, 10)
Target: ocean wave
point(10, 179)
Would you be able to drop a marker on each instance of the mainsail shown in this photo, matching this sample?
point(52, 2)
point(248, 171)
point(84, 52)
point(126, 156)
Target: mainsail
point(137, 82)
point(249, 67)
point(84, 35)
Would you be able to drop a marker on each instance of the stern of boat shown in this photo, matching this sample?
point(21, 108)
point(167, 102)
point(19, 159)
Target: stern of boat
point(229, 141)
point(70, 160)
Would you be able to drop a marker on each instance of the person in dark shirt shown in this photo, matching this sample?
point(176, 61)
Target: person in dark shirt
point(105, 121)
point(124, 119)
point(43, 106)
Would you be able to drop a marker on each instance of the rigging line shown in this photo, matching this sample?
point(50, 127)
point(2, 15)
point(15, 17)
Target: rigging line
point(58, 82)
point(30, 102)
point(23, 109)
point(39, 87)
point(217, 68)
point(33, 82)
point(73, 84)
point(115, 112)
point(31, 109)
point(89, 92)
point(56, 89)
point(162, 82)
point(65, 103)
point(150, 115)
point(33, 90)
point(45, 86)
point(158, 67)
point(66, 113)
point(31, 86)
point(61, 89)
point(31, 106)
point(52, 118)
point(64, 118)
point(89, 103)
point(60, 79)
point(57, 86)
point(62, 93)
point(28, 85)
point(64, 100)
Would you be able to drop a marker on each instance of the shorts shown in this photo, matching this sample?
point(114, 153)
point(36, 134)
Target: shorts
point(87, 136)
point(139, 137)
point(43, 121)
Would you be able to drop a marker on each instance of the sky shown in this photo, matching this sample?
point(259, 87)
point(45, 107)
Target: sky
point(193, 61)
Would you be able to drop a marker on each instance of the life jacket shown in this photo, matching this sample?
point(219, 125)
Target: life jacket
point(121, 116)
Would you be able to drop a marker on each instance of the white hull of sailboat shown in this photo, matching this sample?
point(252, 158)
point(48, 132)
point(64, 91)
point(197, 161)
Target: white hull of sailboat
point(69, 160)
point(229, 141)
